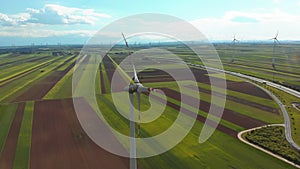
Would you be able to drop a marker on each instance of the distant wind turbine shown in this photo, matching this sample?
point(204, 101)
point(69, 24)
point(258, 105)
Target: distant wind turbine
point(275, 41)
point(233, 54)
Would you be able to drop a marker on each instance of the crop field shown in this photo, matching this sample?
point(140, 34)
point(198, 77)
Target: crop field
point(39, 127)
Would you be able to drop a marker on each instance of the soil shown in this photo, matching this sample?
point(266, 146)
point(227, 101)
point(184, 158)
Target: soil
point(59, 142)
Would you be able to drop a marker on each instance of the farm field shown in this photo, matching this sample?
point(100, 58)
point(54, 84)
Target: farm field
point(39, 127)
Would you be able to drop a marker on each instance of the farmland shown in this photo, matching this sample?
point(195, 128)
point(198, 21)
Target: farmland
point(39, 127)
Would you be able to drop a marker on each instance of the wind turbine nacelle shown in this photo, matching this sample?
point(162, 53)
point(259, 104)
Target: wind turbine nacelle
point(131, 88)
point(145, 89)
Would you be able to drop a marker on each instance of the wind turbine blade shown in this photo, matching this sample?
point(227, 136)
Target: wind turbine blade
point(276, 35)
point(136, 79)
point(139, 109)
point(125, 40)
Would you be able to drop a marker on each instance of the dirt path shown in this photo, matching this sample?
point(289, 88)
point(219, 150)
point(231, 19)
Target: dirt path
point(8, 153)
point(59, 142)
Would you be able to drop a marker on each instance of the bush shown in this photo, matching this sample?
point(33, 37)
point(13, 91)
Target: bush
point(273, 139)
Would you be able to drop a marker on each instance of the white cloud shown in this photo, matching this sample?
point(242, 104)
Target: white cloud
point(250, 25)
point(12, 20)
point(52, 14)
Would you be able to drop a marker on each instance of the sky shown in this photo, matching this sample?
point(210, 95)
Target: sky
point(75, 21)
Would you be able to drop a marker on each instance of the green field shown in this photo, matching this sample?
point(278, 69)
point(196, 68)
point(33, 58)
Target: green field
point(7, 113)
point(22, 155)
point(23, 71)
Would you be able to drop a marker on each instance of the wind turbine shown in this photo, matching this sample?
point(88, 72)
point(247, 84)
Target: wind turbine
point(233, 54)
point(275, 40)
point(134, 87)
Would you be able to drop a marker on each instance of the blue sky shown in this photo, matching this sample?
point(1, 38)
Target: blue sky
point(74, 21)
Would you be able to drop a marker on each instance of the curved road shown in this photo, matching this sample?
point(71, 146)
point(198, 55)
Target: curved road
point(288, 132)
point(287, 123)
point(262, 149)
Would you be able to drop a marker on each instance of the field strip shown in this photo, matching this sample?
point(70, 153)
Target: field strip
point(22, 155)
point(39, 90)
point(200, 118)
point(15, 69)
point(29, 59)
point(9, 149)
point(68, 60)
point(245, 65)
point(189, 113)
point(121, 71)
point(235, 99)
point(244, 61)
point(243, 109)
point(64, 143)
point(25, 72)
point(270, 71)
point(22, 85)
point(57, 87)
point(105, 78)
point(262, 149)
point(7, 113)
point(228, 115)
point(102, 84)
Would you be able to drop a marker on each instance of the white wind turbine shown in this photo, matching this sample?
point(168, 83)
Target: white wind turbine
point(233, 54)
point(275, 41)
point(134, 87)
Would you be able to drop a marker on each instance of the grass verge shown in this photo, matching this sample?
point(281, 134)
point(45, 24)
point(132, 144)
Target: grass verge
point(22, 155)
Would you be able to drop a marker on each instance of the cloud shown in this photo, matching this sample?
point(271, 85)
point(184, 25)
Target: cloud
point(13, 20)
point(255, 25)
point(52, 14)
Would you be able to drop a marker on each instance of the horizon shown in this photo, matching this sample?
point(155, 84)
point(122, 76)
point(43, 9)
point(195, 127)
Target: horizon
point(69, 22)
